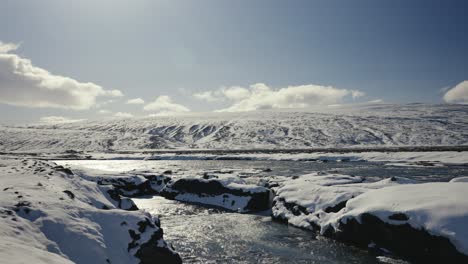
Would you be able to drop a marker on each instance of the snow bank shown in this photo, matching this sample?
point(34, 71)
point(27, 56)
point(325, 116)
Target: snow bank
point(460, 179)
point(55, 216)
point(424, 222)
point(308, 200)
point(438, 208)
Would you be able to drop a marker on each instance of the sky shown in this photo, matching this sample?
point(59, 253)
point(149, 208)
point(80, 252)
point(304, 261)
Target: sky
point(62, 61)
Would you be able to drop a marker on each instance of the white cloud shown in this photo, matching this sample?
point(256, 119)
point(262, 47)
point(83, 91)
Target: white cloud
point(104, 111)
point(208, 96)
point(8, 47)
point(458, 94)
point(234, 93)
point(376, 101)
point(356, 94)
point(136, 101)
point(123, 115)
point(104, 103)
point(164, 104)
point(58, 120)
point(167, 113)
point(260, 96)
point(23, 84)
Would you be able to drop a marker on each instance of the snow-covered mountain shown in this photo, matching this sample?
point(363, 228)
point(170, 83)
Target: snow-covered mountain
point(333, 126)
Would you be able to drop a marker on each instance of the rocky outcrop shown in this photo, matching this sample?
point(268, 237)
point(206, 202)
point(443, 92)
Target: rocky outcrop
point(120, 189)
point(416, 245)
point(215, 192)
point(424, 223)
point(135, 185)
point(154, 250)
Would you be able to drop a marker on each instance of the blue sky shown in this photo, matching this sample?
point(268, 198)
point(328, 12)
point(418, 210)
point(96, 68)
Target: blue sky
point(396, 51)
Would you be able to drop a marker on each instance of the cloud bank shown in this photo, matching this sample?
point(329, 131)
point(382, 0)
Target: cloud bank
point(259, 96)
point(58, 120)
point(136, 101)
point(164, 105)
point(104, 111)
point(8, 47)
point(457, 94)
point(23, 84)
point(123, 115)
point(235, 93)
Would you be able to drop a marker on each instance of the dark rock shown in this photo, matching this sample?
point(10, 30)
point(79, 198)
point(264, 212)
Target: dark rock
point(417, 245)
point(399, 217)
point(134, 235)
point(150, 252)
point(259, 201)
point(61, 169)
point(143, 224)
point(336, 208)
point(115, 195)
point(23, 203)
point(70, 194)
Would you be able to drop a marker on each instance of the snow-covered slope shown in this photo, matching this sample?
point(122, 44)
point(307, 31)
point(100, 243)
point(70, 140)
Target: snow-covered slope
point(344, 126)
point(50, 215)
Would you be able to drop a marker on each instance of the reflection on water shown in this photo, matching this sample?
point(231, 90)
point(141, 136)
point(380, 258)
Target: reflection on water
point(203, 235)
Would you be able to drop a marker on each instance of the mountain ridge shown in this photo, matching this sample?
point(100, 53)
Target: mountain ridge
point(345, 126)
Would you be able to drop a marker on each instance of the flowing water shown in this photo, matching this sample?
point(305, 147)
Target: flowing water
point(204, 235)
point(207, 235)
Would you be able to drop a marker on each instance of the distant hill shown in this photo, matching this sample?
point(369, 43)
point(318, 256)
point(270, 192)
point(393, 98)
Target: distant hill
point(338, 126)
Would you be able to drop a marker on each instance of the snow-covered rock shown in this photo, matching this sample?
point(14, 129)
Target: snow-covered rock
point(50, 215)
point(427, 222)
point(135, 185)
point(308, 200)
point(228, 193)
point(424, 222)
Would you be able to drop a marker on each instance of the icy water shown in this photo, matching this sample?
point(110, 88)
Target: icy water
point(204, 235)
point(248, 168)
